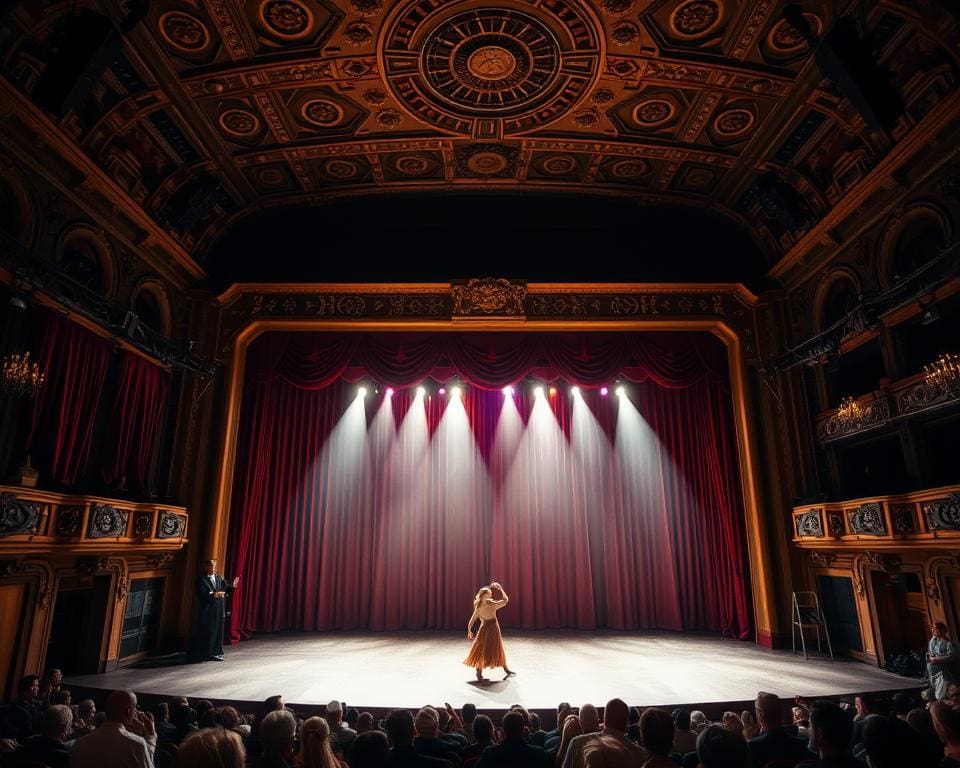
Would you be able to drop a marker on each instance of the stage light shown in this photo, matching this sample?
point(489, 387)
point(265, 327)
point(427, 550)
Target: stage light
point(575, 391)
point(553, 391)
point(621, 391)
point(455, 392)
point(508, 391)
point(389, 391)
point(603, 391)
point(442, 391)
point(421, 391)
point(362, 392)
point(538, 391)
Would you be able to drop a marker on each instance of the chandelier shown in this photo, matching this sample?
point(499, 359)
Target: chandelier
point(850, 414)
point(944, 373)
point(19, 376)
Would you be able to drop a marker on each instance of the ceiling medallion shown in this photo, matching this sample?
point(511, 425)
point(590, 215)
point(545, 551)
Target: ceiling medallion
point(586, 118)
point(290, 19)
point(184, 31)
point(341, 169)
point(367, 7)
point(786, 38)
point(696, 18)
point(487, 163)
point(602, 96)
point(322, 112)
point(616, 7)
point(733, 122)
point(630, 169)
point(451, 64)
point(270, 177)
point(358, 34)
point(239, 122)
point(625, 33)
point(374, 96)
point(653, 112)
point(699, 177)
point(388, 118)
point(412, 165)
point(558, 165)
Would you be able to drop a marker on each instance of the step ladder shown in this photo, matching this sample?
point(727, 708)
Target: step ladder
point(806, 614)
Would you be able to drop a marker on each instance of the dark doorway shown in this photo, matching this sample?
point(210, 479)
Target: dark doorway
point(840, 612)
point(78, 628)
point(900, 612)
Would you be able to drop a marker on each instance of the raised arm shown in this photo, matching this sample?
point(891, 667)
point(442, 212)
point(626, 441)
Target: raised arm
point(504, 597)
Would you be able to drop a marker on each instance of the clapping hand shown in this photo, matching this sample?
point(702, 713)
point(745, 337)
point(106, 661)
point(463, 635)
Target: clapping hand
point(142, 723)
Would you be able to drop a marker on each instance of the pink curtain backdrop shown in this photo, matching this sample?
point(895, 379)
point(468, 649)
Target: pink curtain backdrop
point(389, 513)
point(137, 412)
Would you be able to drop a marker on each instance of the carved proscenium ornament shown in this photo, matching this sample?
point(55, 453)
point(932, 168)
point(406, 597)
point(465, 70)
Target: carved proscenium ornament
point(17, 516)
point(809, 524)
point(868, 519)
point(488, 297)
point(943, 514)
point(107, 520)
point(170, 525)
point(821, 559)
point(491, 71)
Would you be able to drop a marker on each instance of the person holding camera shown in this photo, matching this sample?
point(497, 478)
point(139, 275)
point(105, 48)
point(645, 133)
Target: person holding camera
point(487, 649)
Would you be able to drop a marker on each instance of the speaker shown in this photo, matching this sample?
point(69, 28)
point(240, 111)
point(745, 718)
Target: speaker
point(83, 49)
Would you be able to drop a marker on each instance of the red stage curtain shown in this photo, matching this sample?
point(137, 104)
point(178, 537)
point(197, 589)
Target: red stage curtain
point(389, 515)
point(75, 363)
point(137, 412)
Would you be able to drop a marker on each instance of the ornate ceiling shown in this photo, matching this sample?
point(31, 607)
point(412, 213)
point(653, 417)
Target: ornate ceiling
point(215, 109)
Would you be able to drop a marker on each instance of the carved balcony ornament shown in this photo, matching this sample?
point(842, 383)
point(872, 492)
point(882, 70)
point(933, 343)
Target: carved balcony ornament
point(18, 516)
point(821, 559)
point(107, 520)
point(142, 524)
point(170, 525)
point(867, 519)
point(808, 524)
point(889, 564)
point(122, 589)
point(835, 523)
point(489, 296)
point(69, 520)
point(933, 591)
point(160, 560)
point(943, 514)
point(904, 520)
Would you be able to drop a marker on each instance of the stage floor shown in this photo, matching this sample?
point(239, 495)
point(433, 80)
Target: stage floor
point(409, 669)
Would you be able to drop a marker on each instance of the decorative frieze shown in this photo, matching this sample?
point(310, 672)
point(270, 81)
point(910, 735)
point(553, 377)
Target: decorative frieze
point(107, 520)
point(69, 520)
point(171, 525)
point(943, 514)
point(867, 519)
point(810, 524)
point(18, 516)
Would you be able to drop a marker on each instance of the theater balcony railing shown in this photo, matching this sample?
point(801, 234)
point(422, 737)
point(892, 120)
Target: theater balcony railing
point(41, 522)
point(927, 519)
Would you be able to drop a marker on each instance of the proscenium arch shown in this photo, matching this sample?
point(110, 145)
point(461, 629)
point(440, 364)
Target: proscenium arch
point(761, 576)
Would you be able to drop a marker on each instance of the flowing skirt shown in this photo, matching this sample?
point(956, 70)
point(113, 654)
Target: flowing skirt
point(487, 649)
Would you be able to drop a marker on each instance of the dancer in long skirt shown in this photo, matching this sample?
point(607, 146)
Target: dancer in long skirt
point(487, 649)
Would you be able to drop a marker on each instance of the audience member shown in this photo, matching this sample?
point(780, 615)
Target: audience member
point(513, 751)
point(49, 746)
point(127, 737)
point(775, 741)
point(315, 744)
point(684, 739)
point(605, 751)
point(830, 731)
point(399, 727)
point(468, 713)
point(866, 707)
point(24, 715)
point(426, 724)
point(49, 687)
point(482, 738)
point(718, 747)
point(698, 721)
point(751, 726)
point(732, 722)
point(946, 722)
point(278, 734)
point(656, 736)
point(370, 749)
point(633, 727)
point(571, 729)
point(83, 722)
point(616, 717)
point(161, 722)
point(184, 721)
point(211, 748)
point(341, 736)
point(890, 743)
point(364, 723)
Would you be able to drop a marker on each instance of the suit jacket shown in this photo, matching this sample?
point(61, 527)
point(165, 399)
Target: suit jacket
point(514, 754)
point(777, 744)
point(211, 608)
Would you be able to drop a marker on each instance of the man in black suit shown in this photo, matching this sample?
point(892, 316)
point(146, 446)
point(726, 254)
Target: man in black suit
point(513, 751)
point(212, 592)
point(775, 741)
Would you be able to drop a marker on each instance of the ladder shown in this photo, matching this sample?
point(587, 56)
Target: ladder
point(806, 614)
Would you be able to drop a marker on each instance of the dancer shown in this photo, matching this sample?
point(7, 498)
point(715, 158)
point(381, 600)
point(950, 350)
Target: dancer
point(487, 649)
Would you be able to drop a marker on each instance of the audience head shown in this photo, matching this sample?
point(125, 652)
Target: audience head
point(52, 678)
point(121, 707)
point(334, 713)
point(891, 743)
point(769, 711)
point(830, 729)
point(468, 712)
point(482, 729)
point(202, 705)
point(717, 747)
point(946, 722)
point(534, 722)
point(315, 749)
point(635, 716)
point(399, 727)
point(351, 717)
point(184, 717)
point(656, 731)
point(278, 732)
point(272, 703)
point(732, 722)
point(681, 718)
point(211, 748)
point(443, 719)
point(902, 704)
point(698, 721)
point(523, 711)
point(226, 717)
point(426, 723)
point(29, 687)
point(866, 704)
point(61, 697)
point(607, 751)
point(589, 719)
point(751, 726)
point(921, 721)
point(616, 715)
point(87, 709)
point(364, 722)
point(178, 701)
point(57, 722)
point(369, 750)
point(513, 726)
point(161, 712)
point(801, 716)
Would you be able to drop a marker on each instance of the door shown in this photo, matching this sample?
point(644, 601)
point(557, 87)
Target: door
point(840, 612)
point(78, 628)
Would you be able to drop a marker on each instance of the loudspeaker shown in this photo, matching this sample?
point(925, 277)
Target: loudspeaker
point(83, 50)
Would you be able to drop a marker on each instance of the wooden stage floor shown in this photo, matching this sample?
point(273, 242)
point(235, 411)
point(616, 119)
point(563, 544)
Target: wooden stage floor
point(409, 669)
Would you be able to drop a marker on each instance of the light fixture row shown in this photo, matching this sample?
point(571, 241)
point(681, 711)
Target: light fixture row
point(457, 390)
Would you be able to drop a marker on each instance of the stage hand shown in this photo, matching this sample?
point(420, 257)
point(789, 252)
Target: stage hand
point(218, 595)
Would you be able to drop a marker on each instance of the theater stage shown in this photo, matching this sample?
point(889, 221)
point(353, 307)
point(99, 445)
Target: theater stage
point(409, 669)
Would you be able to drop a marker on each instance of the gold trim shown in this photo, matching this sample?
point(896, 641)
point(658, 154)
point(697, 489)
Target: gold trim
point(762, 587)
